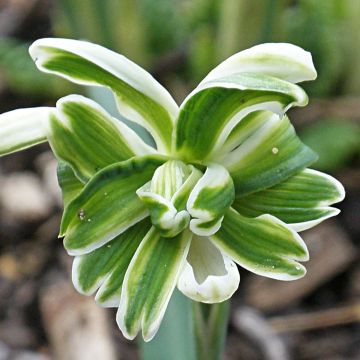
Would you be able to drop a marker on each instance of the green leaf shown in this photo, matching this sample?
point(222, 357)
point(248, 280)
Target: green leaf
point(262, 245)
point(85, 136)
point(70, 185)
point(281, 60)
point(139, 96)
point(208, 275)
point(108, 204)
point(214, 108)
point(149, 283)
point(104, 268)
point(301, 201)
point(333, 154)
point(270, 154)
point(211, 197)
point(23, 128)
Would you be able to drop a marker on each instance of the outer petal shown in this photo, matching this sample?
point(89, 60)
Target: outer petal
point(105, 267)
point(211, 197)
point(271, 153)
point(284, 61)
point(149, 283)
point(140, 97)
point(215, 107)
point(22, 128)
point(108, 205)
point(84, 135)
point(70, 185)
point(264, 245)
point(301, 201)
point(208, 275)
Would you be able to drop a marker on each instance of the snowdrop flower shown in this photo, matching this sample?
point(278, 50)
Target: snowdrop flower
point(227, 183)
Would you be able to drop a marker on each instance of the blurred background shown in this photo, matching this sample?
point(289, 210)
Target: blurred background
point(179, 41)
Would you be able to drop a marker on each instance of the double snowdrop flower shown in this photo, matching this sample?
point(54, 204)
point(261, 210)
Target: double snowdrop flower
point(227, 182)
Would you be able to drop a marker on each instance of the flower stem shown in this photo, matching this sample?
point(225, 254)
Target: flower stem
point(210, 328)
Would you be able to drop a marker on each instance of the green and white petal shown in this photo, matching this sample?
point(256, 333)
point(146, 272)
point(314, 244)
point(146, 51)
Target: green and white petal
point(70, 185)
point(269, 155)
point(108, 204)
point(139, 96)
point(301, 201)
point(211, 197)
point(164, 216)
point(262, 245)
point(215, 107)
point(281, 60)
point(208, 275)
point(23, 128)
point(82, 134)
point(149, 282)
point(106, 266)
point(166, 194)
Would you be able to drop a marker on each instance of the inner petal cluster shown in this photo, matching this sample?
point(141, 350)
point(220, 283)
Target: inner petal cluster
point(180, 195)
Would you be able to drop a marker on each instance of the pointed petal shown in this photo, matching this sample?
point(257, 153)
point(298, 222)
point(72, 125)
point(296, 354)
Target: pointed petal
point(23, 128)
point(281, 60)
point(214, 108)
point(208, 276)
point(149, 283)
point(302, 201)
point(262, 245)
point(211, 197)
point(70, 185)
point(140, 97)
point(85, 136)
point(270, 154)
point(105, 267)
point(108, 205)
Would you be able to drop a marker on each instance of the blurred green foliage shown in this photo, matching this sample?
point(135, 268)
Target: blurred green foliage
point(336, 141)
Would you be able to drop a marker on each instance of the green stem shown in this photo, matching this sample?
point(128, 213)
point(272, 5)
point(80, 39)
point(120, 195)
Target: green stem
point(210, 327)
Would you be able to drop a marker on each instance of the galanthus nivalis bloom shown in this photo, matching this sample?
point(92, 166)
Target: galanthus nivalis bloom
point(228, 181)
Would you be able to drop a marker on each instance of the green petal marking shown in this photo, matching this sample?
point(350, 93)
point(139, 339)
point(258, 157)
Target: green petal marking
point(281, 60)
point(83, 135)
point(269, 155)
point(263, 245)
point(108, 205)
point(139, 96)
point(166, 194)
point(106, 266)
point(208, 115)
point(211, 197)
point(70, 185)
point(208, 275)
point(149, 283)
point(23, 128)
point(301, 201)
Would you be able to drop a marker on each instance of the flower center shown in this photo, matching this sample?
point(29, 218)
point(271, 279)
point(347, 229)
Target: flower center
point(180, 195)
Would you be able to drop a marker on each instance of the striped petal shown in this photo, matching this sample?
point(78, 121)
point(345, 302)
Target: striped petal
point(271, 153)
point(211, 197)
point(104, 268)
point(262, 245)
point(108, 205)
point(139, 96)
point(84, 135)
point(215, 107)
point(149, 282)
point(208, 276)
point(70, 185)
point(23, 128)
point(301, 201)
point(281, 60)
